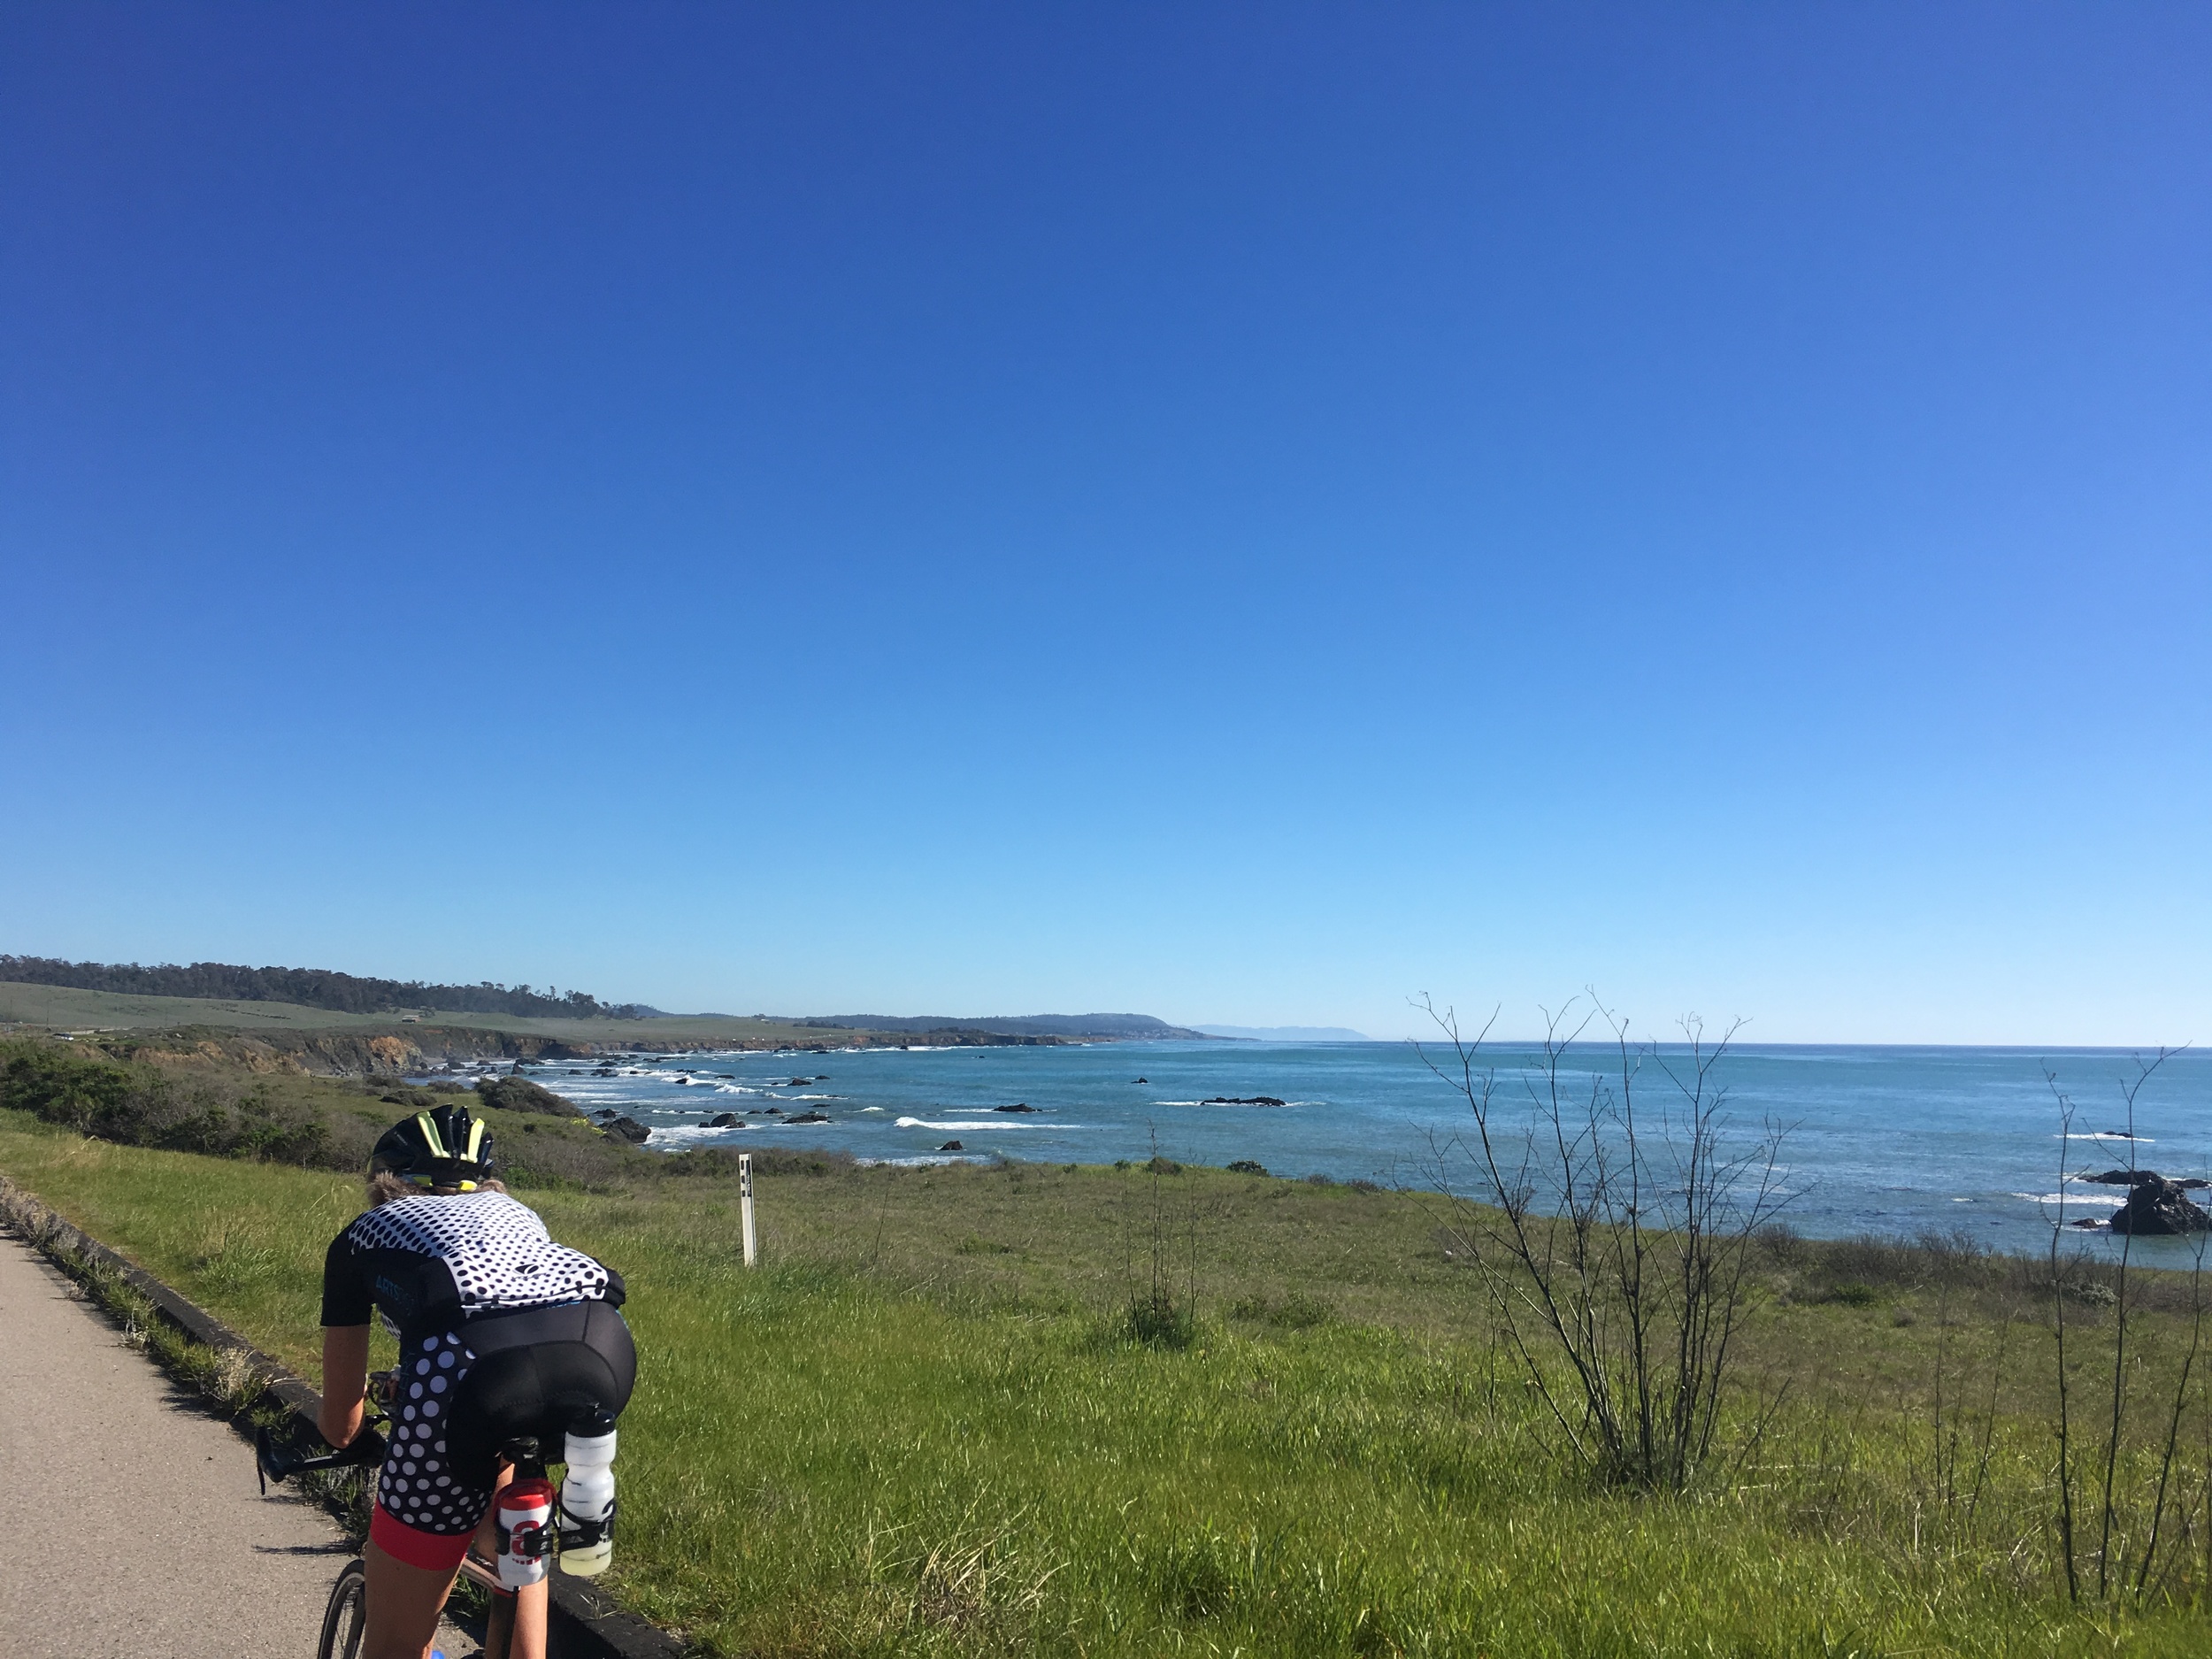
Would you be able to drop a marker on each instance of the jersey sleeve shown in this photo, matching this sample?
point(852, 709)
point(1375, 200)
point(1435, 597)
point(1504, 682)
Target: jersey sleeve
point(347, 1300)
point(615, 1295)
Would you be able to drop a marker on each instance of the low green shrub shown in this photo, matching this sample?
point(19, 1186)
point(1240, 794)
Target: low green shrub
point(139, 1104)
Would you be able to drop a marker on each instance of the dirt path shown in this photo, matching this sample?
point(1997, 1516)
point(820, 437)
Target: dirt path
point(136, 1526)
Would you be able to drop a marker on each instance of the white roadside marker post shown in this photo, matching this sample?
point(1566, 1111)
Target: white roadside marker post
point(745, 1206)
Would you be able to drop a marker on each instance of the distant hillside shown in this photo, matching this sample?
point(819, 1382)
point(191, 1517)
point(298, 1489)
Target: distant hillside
point(313, 987)
point(1098, 1027)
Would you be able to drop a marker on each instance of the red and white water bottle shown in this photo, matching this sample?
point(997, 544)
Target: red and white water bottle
point(524, 1515)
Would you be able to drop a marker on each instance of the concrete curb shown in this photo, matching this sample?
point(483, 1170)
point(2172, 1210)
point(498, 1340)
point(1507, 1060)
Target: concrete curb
point(584, 1622)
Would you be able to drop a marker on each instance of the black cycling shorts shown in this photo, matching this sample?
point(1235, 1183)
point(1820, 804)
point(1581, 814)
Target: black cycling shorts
point(538, 1373)
point(468, 1392)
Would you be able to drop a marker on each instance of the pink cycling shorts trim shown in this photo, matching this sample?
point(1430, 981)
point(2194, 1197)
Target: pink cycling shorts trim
point(437, 1552)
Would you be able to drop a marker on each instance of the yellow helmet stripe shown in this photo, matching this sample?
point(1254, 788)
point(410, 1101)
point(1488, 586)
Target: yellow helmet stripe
point(430, 1133)
point(476, 1138)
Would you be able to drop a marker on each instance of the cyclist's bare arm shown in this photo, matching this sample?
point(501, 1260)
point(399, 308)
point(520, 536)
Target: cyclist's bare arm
point(345, 1382)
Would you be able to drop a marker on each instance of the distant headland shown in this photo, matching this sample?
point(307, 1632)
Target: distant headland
point(332, 1021)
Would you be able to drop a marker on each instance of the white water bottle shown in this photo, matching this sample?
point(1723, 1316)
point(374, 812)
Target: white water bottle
point(588, 1499)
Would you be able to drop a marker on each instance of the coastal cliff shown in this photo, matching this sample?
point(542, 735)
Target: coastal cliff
point(407, 1049)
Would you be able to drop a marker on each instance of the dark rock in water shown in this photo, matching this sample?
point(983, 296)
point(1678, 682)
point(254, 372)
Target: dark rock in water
point(2159, 1206)
point(799, 1082)
point(725, 1121)
point(1246, 1166)
point(628, 1129)
point(1144, 1079)
point(1242, 1099)
point(952, 1146)
point(775, 1111)
point(2137, 1177)
point(1023, 1106)
point(808, 1117)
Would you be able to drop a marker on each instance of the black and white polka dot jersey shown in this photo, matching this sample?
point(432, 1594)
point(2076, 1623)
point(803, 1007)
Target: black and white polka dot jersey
point(435, 1260)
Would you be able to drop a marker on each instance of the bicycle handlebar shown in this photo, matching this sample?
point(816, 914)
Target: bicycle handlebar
point(280, 1464)
point(368, 1448)
point(273, 1462)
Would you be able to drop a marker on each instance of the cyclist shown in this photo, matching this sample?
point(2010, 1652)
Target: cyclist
point(503, 1334)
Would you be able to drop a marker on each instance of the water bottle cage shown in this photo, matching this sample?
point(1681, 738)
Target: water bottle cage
point(526, 1543)
point(577, 1533)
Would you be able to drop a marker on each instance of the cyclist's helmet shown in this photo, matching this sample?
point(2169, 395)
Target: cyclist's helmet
point(447, 1145)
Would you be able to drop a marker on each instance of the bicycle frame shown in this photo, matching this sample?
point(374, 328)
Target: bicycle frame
point(344, 1618)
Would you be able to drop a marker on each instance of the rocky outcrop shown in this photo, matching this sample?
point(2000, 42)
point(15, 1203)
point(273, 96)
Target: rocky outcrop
point(520, 1094)
point(2136, 1177)
point(628, 1129)
point(1242, 1099)
point(2156, 1205)
point(1021, 1106)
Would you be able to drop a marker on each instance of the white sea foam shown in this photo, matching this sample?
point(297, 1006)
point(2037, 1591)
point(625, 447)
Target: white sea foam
point(964, 1123)
point(2111, 1134)
point(2073, 1198)
point(686, 1135)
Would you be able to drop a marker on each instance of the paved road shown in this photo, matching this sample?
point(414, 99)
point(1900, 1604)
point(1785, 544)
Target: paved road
point(134, 1526)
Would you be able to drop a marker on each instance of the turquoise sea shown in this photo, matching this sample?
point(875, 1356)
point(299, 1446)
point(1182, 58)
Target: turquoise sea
point(1887, 1139)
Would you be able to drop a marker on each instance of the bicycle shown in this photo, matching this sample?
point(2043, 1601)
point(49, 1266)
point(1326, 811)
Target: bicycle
point(345, 1615)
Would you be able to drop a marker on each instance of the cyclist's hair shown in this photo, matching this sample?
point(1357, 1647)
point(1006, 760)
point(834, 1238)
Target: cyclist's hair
point(385, 1186)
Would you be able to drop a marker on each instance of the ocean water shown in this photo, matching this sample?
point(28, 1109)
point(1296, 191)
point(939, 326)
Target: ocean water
point(1887, 1139)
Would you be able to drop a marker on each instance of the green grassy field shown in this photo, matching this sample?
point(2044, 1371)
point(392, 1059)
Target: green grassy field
point(59, 1008)
point(918, 1428)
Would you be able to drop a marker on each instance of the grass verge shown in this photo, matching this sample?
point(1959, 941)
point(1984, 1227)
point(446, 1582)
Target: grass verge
point(914, 1429)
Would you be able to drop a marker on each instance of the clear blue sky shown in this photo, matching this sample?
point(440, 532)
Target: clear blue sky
point(1239, 513)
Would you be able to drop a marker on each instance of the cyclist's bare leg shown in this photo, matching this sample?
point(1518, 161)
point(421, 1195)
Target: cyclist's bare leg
point(403, 1605)
point(515, 1627)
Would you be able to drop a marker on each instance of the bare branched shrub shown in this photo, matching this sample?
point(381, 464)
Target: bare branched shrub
point(1616, 1240)
point(2120, 1565)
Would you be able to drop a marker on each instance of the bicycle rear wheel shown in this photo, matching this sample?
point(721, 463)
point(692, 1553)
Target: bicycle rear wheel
point(347, 1617)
